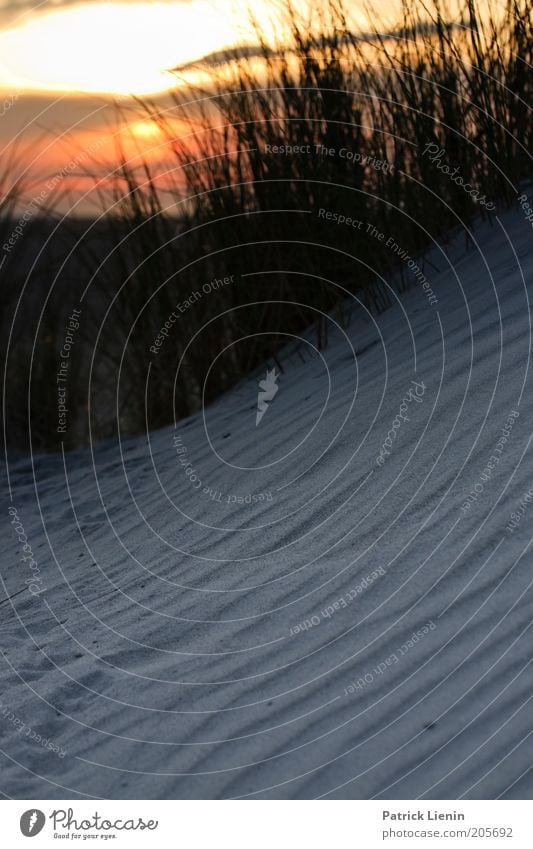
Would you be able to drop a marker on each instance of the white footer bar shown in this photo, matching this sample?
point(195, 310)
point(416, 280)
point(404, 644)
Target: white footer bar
point(267, 824)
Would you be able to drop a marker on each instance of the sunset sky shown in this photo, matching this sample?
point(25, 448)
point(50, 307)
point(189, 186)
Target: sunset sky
point(62, 63)
point(115, 47)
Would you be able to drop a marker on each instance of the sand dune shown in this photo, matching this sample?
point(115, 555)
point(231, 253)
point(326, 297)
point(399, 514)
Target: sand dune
point(310, 620)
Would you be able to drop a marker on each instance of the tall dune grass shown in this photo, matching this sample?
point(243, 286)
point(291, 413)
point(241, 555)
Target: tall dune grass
point(380, 125)
point(459, 84)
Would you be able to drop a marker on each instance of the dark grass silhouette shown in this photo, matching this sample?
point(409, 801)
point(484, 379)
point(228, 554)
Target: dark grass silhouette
point(412, 131)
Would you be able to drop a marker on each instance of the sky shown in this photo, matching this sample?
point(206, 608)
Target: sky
point(63, 63)
point(111, 47)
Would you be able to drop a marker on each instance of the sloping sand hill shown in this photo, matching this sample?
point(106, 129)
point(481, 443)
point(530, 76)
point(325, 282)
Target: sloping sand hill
point(333, 602)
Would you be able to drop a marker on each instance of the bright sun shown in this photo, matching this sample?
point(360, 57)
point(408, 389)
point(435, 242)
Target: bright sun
point(145, 130)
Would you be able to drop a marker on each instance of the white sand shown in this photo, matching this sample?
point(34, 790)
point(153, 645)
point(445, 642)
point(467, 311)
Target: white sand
point(159, 655)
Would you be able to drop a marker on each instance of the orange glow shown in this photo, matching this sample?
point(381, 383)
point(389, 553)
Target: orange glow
point(68, 55)
point(145, 130)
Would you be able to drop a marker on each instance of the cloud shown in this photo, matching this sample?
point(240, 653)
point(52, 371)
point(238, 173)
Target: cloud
point(224, 57)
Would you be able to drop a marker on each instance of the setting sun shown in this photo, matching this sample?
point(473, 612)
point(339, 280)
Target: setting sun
point(145, 130)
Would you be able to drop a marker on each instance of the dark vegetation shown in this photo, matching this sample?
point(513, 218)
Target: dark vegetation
point(228, 205)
